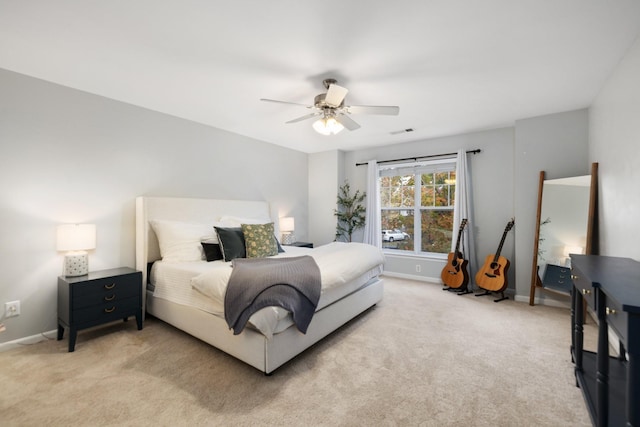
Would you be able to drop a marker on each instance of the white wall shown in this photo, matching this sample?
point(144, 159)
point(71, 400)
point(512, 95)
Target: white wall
point(68, 156)
point(326, 175)
point(614, 142)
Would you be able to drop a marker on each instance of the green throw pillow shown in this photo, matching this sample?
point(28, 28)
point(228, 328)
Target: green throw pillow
point(259, 240)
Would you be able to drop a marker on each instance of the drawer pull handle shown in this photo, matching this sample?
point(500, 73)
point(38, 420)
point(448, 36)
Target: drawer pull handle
point(560, 282)
point(609, 311)
point(110, 297)
point(110, 310)
point(574, 277)
point(586, 292)
point(111, 286)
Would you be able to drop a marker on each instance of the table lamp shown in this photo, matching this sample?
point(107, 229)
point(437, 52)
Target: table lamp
point(76, 239)
point(287, 227)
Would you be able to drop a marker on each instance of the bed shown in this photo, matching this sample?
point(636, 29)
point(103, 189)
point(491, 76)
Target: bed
point(195, 310)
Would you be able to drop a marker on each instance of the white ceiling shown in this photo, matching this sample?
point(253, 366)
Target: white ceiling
point(453, 66)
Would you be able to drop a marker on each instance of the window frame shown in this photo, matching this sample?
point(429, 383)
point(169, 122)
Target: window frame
point(417, 169)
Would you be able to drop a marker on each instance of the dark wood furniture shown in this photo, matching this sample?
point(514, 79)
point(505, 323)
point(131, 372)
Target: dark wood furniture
point(610, 385)
point(558, 278)
point(301, 244)
point(96, 298)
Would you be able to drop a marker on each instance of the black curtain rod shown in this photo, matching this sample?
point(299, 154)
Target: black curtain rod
point(415, 159)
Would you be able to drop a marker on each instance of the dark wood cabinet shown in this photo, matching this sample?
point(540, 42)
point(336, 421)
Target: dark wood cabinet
point(558, 278)
point(96, 298)
point(301, 244)
point(610, 385)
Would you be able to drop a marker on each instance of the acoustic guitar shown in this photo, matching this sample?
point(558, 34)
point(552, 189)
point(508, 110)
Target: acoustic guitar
point(492, 276)
point(455, 274)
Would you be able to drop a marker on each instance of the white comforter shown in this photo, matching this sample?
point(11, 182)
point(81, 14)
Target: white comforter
point(339, 263)
point(344, 267)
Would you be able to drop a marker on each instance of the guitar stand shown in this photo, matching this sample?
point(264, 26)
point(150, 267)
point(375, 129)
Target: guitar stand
point(465, 291)
point(459, 291)
point(502, 296)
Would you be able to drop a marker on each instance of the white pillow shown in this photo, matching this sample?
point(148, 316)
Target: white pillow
point(180, 241)
point(234, 221)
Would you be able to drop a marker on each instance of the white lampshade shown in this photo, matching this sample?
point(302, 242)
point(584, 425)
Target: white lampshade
point(75, 239)
point(328, 126)
point(287, 223)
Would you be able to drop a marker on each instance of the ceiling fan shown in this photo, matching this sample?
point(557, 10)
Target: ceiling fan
point(332, 113)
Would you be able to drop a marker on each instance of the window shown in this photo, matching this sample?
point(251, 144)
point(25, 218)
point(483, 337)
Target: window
point(417, 206)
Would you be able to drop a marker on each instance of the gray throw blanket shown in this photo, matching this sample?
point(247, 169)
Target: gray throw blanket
point(291, 283)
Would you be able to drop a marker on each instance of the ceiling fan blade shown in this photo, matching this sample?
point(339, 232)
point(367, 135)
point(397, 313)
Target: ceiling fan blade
point(305, 117)
point(335, 95)
point(385, 110)
point(347, 121)
point(286, 102)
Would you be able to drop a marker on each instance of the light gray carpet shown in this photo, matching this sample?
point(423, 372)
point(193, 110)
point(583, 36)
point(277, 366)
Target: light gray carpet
point(422, 357)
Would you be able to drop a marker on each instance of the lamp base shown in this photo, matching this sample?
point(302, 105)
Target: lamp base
point(76, 264)
point(288, 238)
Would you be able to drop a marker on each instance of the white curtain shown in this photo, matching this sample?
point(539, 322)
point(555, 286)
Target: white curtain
point(463, 209)
point(372, 230)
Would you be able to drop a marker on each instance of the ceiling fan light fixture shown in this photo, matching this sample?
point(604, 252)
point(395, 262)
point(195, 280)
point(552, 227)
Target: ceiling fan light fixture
point(327, 126)
point(331, 105)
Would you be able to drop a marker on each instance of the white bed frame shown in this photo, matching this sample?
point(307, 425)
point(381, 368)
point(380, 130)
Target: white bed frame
point(250, 346)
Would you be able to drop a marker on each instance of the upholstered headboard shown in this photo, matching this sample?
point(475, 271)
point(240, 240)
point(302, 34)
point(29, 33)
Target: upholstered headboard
point(186, 210)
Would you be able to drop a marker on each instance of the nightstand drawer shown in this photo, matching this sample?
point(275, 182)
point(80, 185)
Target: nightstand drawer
point(110, 297)
point(103, 295)
point(107, 311)
point(121, 284)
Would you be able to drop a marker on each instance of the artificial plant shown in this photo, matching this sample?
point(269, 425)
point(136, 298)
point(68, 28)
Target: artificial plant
point(350, 212)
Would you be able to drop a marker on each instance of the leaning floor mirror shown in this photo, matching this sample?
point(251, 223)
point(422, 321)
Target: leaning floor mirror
point(566, 222)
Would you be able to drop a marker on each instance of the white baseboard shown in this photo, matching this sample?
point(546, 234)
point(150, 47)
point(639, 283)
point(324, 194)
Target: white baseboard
point(33, 339)
point(543, 301)
point(438, 281)
point(435, 280)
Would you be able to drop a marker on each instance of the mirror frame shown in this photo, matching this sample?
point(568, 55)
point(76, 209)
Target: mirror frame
point(592, 235)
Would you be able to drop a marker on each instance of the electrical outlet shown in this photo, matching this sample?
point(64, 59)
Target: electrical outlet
point(12, 309)
point(418, 268)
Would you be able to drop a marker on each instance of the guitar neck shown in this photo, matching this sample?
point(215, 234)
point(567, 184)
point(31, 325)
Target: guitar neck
point(504, 236)
point(462, 225)
point(497, 255)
